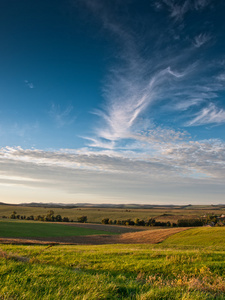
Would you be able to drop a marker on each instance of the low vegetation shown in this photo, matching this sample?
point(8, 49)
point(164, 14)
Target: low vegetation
point(194, 270)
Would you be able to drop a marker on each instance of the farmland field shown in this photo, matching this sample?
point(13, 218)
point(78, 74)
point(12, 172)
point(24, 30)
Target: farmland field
point(95, 215)
point(187, 265)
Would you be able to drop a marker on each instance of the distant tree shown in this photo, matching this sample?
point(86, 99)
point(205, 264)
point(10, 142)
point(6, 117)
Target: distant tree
point(50, 216)
point(189, 223)
point(50, 213)
point(58, 218)
point(136, 221)
point(141, 223)
point(151, 222)
point(128, 222)
point(105, 221)
point(13, 215)
point(82, 219)
point(38, 218)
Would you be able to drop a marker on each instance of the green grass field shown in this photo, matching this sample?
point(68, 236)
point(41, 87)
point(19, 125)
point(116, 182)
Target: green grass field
point(29, 229)
point(204, 237)
point(195, 270)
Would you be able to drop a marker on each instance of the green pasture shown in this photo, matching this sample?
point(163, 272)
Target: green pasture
point(118, 271)
point(29, 229)
point(201, 237)
point(95, 215)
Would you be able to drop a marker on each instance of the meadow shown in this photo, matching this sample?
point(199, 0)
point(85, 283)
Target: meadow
point(187, 265)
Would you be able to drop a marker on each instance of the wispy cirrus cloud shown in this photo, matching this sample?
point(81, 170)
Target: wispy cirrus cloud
point(62, 116)
point(167, 77)
point(201, 39)
point(178, 9)
point(135, 83)
point(29, 84)
point(208, 115)
point(200, 4)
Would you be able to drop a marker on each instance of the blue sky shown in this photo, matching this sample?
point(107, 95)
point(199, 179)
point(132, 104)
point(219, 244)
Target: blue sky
point(112, 101)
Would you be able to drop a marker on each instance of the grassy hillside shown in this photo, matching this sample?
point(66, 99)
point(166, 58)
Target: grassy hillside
point(205, 237)
point(117, 271)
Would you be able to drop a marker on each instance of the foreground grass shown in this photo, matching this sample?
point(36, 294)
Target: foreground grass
point(115, 271)
point(23, 229)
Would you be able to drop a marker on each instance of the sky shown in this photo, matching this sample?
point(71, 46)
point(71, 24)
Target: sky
point(111, 101)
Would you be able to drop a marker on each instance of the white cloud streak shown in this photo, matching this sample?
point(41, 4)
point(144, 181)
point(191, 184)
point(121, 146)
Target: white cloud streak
point(201, 39)
point(142, 80)
point(209, 115)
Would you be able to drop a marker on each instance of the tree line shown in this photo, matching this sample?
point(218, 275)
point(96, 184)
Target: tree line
point(49, 217)
point(212, 220)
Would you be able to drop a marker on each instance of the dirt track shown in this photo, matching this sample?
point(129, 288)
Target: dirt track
point(141, 237)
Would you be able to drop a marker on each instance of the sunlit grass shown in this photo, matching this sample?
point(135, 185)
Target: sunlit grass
point(116, 271)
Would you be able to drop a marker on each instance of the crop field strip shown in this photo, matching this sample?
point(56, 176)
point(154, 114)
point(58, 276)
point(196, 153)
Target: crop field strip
point(28, 232)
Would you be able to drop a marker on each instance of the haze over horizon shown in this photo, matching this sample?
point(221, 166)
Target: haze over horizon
point(112, 101)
